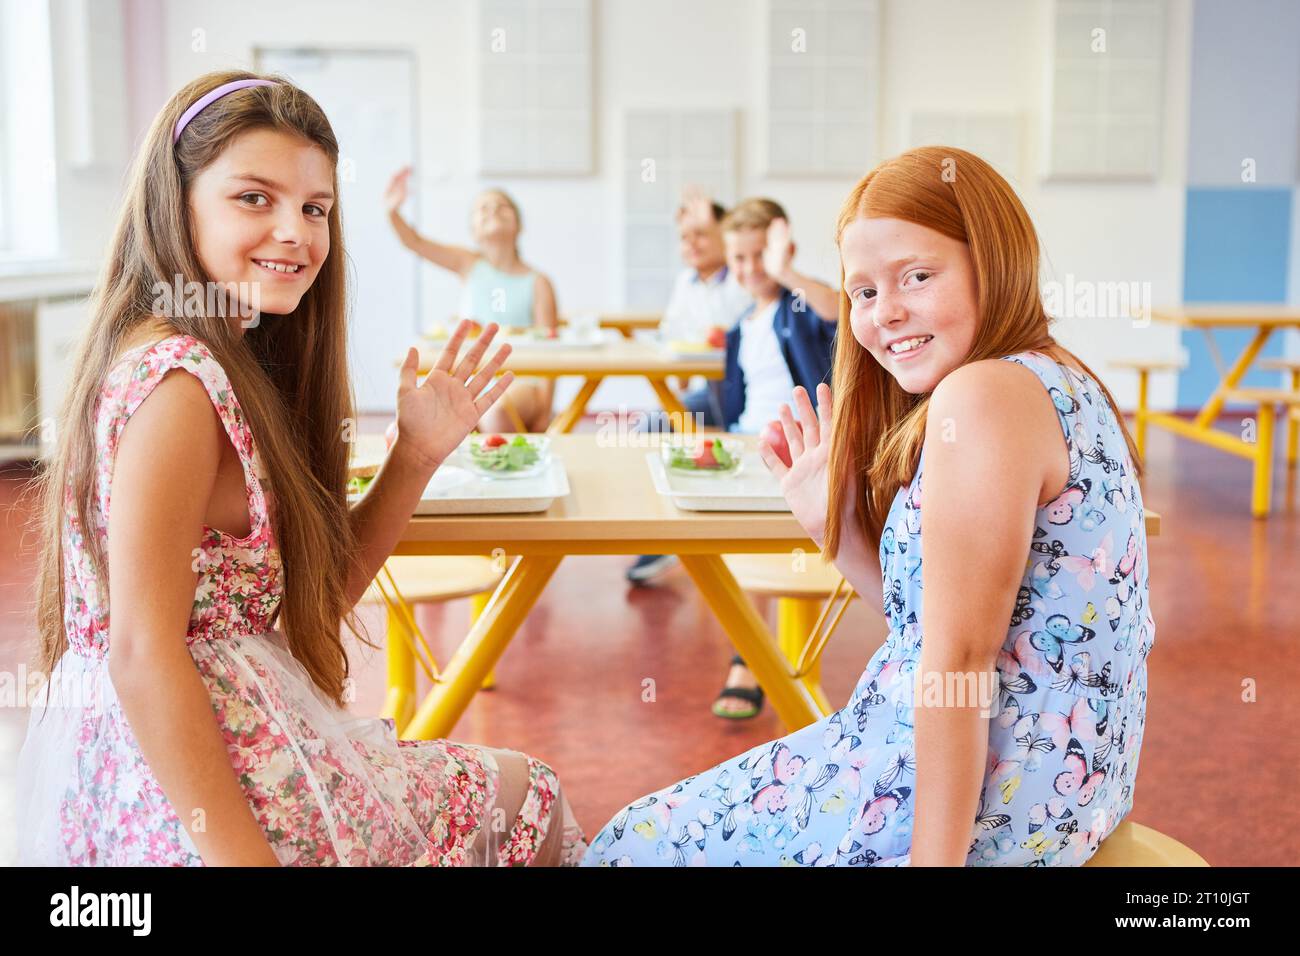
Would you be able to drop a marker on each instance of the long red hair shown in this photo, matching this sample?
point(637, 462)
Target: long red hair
point(879, 428)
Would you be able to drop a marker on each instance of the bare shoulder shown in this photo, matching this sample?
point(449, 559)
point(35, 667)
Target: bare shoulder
point(176, 427)
point(997, 395)
point(542, 285)
point(998, 413)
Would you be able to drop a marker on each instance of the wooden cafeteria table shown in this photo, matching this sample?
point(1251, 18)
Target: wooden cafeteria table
point(1264, 320)
point(613, 508)
point(627, 323)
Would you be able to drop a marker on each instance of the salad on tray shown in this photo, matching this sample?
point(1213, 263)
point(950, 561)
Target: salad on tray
point(501, 457)
point(704, 456)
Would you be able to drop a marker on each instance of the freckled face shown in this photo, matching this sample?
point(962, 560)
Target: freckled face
point(913, 296)
point(260, 215)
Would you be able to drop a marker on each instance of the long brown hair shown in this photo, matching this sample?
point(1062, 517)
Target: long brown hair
point(879, 428)
point(289, 372)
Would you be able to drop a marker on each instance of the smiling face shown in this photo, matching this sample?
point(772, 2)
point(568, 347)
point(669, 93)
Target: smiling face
point(494, 218)
point(260, 215)
point(745, 261)
point(907, 283)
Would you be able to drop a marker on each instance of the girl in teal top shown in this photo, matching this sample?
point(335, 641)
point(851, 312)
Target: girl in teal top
point(498, 286)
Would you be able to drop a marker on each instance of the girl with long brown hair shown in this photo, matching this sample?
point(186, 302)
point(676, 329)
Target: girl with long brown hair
point(202, 720)
point(1001, 721)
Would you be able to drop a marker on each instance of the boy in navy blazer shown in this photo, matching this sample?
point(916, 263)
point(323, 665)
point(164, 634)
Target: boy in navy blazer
point(786, 339)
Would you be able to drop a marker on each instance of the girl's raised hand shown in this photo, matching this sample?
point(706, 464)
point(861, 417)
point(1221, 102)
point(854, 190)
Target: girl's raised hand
point(397, 189)
point(434, 416)
point(804, 479)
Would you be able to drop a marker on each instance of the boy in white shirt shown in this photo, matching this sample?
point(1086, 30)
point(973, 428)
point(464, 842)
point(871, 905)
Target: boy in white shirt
point(705, 297)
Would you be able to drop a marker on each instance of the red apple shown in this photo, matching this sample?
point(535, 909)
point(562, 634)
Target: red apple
point(717, 337)
point(774, 435)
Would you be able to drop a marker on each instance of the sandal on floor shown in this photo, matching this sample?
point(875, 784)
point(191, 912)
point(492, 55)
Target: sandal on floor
point(751, 695)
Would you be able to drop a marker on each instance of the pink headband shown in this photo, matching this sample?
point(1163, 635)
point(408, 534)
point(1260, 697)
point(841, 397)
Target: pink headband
point(211, 97)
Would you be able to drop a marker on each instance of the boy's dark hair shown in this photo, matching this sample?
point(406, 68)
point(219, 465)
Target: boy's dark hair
point(719, 210)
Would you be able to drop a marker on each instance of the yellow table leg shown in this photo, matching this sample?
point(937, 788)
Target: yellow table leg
point(796, 618)
point(1293, 429)
point(568, 419)
point(794, 704)
point(482, 647)
point(677, 413)
point(1263, 478)
point(1239, 368)
point(1140, 425)
point(476, 605)
point(400, 701)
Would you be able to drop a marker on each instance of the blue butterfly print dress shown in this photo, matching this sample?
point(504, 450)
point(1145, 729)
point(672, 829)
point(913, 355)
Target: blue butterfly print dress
point(1066, 725)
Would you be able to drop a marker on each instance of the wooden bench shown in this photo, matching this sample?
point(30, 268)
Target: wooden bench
point(1267, 400)
point(1144, 368)
point(1132, 844)
point(416, 579)
point(1293, 432)
point(800, 584)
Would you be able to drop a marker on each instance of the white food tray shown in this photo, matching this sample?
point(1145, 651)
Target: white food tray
point(567, 339)
point(455, 490)
point(754, 488)
point(692, 355)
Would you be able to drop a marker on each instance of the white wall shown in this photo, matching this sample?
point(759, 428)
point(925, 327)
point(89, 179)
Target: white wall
point(953, 55)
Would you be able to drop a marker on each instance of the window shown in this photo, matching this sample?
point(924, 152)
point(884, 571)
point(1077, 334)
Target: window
point(28, 212)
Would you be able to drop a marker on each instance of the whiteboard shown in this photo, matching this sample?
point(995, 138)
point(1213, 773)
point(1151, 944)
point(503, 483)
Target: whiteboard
point(369, 97)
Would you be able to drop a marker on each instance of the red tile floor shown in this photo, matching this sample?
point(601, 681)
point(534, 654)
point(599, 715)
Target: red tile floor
point(1216, 772)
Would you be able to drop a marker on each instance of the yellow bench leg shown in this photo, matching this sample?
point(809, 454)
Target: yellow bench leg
point(796, 618)
point(476, 605)
point(399, 704)
point(1263, 478)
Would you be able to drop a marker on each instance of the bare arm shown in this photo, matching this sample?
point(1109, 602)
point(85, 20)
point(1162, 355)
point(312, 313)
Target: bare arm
point(163, 477)
point(973, 561)
point(454, 258)
point(433, 418)
point(778, 260)
point(545, 312)
point(820, 297)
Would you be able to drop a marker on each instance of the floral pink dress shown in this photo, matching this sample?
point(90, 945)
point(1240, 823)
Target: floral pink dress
point(327, 788)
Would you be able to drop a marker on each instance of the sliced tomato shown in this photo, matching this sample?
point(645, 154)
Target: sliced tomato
point(704, 458)
point(494, 441)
